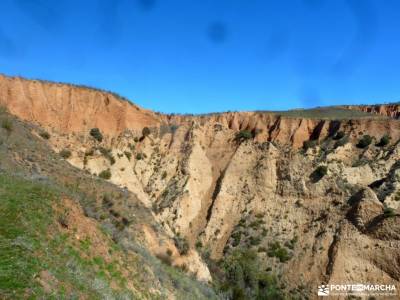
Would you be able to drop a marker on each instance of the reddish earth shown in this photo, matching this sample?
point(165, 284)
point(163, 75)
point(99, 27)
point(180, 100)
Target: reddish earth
point(72, 109)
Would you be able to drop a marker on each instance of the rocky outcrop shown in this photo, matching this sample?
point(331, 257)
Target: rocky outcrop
point(389, 110)
point(74, 109)
point(69, 108)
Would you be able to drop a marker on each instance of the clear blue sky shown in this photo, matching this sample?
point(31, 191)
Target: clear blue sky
point(190, 56)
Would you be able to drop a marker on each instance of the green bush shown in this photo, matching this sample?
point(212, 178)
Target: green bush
point(244, 278)
point(96, 134)
point(389, 212)
point(107, 154)
point(182, 245)
point(278, 251)
point(199, 245)
point(309, 144)
point(146, 131)
point(319, 173)
point(105, 174)
point(7, 124)
point(243, 135)
point(364, 142)
point(339, 135)
point(65, 153)
point(384, 141)
point(128, 155)
point(139, 156)
point(343, 141)
point(45, 135)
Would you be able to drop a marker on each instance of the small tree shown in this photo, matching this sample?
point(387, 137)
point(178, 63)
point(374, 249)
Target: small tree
point(339, 135)
point(182, 245)
point(364, 142)
point(7, 124)
point(128, 155)
point(146, 131)
point(243, 135)
point(105, 174)
point(96, 134)
point(309, 144)
point(319, 173)
point(65, 153)
point(385, 140)
point(45, 135)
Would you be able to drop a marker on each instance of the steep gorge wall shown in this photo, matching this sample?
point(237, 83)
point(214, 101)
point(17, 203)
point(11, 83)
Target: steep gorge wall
point(389, 110)
point(73, 109)
point(68, 108)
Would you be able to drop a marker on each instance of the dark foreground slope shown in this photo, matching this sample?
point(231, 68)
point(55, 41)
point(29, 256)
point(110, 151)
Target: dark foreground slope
point(60, 239)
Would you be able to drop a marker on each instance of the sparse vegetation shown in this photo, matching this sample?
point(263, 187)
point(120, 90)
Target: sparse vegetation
point(7, 124)
point(343, 141)
point(384, 141)
point(182, 245)
point(364, 142)
point(105, 174)
point(139, 156)
point(244, 278)
point(107, 154)
point(319, 173)
point(243, 135)
point(389, 212)
point(128, 155)
point(278, 251)
point(309, 144)
point(339, 135)
point(146, 131)
point(65, 153)
point(45, 135)
point(96, 134)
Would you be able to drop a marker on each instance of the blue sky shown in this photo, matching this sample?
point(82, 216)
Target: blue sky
point(189, 56)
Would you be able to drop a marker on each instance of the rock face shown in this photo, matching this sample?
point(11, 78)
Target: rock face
point(321, 207)
point(389, 110)
point(74, 109)
point(68, 108)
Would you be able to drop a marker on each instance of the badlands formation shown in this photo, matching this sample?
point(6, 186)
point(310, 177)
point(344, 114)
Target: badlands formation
point(315, 193)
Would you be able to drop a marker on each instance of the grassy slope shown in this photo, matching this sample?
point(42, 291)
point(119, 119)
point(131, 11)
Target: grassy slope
point(31, 242)
point(35, 249)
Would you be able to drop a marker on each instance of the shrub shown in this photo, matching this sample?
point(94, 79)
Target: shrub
point(128, 155)
point(276, 250)
point(7, 124)
point(339, 135)
point(319, 173)
point(146, 131)
point(385, 140)
point(182, 245)
point(45, 135)
point(139, 156)
point(236, 238)
point(164, 175)
point(244, 278)
point(107, 154)
point(105, 174)
point(389, 212)
point(65, 153)
point(309, 144)
point(364, 142)
point(243, 135)
point(343, 141)
point(199, 245)
point(96, 134)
